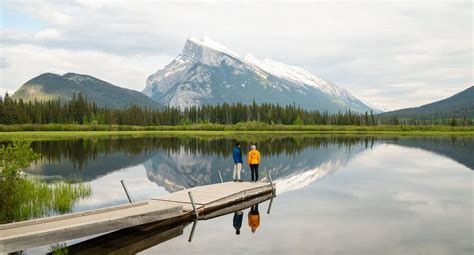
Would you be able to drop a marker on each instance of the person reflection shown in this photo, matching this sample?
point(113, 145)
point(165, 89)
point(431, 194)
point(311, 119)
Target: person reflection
point(254, 218)
point(238, 221)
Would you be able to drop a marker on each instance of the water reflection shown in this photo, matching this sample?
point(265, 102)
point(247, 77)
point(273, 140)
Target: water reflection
point(388, 200)
point(254, 218)
point(382, 194)
point(128, 241)
point(237, 221)
point(175, 163)
point(459, 149)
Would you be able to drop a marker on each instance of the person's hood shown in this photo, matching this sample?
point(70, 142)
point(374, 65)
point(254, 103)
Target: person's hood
point(253, 152)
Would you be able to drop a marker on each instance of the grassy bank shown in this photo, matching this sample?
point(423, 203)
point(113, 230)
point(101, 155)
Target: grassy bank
point(71, 131)
point(245, 126)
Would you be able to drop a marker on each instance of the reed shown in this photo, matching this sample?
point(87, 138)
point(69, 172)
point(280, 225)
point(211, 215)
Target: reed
point(59, 249)
point(24, 197)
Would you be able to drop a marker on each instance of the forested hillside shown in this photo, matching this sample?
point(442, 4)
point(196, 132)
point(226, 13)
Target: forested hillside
point(49, 86)
point(458, 106)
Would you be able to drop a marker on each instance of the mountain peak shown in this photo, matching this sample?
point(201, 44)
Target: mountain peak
point(71, 74)
point(206, 72)
point(195, 45)
point(78, 77)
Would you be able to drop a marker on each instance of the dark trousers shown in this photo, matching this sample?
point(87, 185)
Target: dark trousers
point(254, 210)
point(254, 172)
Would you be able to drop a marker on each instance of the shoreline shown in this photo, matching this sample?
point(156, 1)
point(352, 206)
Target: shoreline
point(48, 135)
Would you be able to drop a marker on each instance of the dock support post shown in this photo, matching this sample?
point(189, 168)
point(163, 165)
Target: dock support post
point(271, 181)
point(193, 204)
point(220, 176)
point(190, 239)
point(273, 192)
point(126, 191)
point(270, 204)
point(195, 213)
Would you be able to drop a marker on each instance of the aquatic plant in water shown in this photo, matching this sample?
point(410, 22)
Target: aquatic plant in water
point(59, 249)
point(23, 197)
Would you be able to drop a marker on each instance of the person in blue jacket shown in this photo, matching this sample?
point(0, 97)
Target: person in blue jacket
point(238, 221)
point(237, 155)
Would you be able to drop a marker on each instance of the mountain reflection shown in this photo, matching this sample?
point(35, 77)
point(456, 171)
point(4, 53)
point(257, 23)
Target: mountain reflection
point(460, 149)
point(176, 163)
point(198, 158)
point(181, 169)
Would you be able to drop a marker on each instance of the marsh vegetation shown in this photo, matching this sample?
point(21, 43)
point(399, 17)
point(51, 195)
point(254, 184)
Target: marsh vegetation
point(24, 197)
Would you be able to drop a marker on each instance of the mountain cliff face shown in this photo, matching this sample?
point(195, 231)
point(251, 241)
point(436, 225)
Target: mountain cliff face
point(49, 86)
point(206, 72)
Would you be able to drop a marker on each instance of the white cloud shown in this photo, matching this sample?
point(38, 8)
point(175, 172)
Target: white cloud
point(48, 34)
point(376, 50)
point(26, 62)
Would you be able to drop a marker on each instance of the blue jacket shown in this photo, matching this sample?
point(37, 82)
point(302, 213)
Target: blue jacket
point(237, 154)
point(237, 221)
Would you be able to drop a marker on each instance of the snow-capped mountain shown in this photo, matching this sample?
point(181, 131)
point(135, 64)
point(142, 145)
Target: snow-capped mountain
point(206, 72)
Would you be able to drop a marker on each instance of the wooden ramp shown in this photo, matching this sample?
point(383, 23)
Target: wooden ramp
point(26, 234)
point(32, 233)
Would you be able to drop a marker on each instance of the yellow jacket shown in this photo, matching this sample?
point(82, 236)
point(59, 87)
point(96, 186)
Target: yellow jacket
point(254, 221)
point(253, 157)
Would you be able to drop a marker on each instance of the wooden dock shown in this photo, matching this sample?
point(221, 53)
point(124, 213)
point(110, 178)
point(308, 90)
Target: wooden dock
point(135, 240)
point(165, 209)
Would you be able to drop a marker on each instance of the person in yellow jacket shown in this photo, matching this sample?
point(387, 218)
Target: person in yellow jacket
point(254, 218)
point(253, 159)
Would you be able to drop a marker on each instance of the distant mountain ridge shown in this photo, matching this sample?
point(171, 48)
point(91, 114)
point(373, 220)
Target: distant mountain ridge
point(50, 86)
point(459, 105)
point(206, 72)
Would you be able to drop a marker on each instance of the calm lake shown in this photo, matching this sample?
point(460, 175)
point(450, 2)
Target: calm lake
point(335, 195)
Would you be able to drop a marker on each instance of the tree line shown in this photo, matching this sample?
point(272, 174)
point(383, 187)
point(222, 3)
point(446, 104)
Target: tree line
point(80, 111)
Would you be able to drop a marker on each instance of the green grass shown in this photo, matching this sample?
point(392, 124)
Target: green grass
point(243, 126)
point(56, 131)
point(35, 198)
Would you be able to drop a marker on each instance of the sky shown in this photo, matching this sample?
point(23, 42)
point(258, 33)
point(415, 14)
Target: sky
point(392, 54)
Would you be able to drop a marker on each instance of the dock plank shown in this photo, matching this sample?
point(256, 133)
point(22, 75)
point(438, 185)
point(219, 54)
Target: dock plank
point(206, 194)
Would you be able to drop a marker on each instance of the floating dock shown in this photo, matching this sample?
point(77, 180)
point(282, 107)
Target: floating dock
point(144, 215)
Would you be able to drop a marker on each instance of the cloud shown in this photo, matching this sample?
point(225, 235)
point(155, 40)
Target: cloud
point(48, 34)
point(26, 62)
point(3, 63)
point(373, 49)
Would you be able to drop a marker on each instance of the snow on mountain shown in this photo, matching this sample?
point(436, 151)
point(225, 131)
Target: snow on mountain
point(297, 74)
point(303, 179)
point(206, 72)
point(211, 44)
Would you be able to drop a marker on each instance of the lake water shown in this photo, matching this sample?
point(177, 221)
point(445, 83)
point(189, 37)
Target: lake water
point(335, 195)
